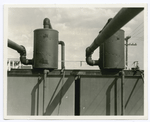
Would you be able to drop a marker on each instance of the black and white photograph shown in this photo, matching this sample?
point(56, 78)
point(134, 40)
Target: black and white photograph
point(75, 61)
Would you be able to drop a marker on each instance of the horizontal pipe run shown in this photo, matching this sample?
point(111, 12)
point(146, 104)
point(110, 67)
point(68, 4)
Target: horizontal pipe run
point(22, 51)
point(123, 16)
point(62, 55)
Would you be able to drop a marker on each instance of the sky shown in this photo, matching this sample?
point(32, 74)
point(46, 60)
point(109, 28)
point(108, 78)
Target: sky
point(77, 27)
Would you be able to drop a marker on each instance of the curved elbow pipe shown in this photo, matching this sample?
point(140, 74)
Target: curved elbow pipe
point(26, 61)
point(62, 54)
point(22, 51)
point(91, 62)
point(89, 59)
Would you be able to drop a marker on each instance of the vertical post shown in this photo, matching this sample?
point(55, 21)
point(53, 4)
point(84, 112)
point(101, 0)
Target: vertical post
point(126, 39)
point(37, 112)
point(44, 86)
point(115, 95)
point(122, 93)
point(9, 65)
point(62, 55)
point(13, 64)
point(19, 64)
point(77, 95)
point(126, 53)
point(43, 93)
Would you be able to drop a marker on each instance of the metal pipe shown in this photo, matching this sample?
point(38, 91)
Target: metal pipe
point(37, 112)
point(127, 54)
point(44, 90)
point(62, 55)
point(123, 16)
point(44, 86)
point(89, 59)
point(91, 62)
point(20, 49)
point(122, 93)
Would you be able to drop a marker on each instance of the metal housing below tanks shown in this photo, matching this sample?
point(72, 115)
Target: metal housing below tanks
point(45, 48)
point(112, 52)
point(92, 94)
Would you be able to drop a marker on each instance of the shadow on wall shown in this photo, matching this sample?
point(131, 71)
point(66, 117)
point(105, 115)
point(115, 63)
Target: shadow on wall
point(53, 104)
point(33, 96)
point(55, 99)
point(108, 97)
point(131, 92)
point(126, 102)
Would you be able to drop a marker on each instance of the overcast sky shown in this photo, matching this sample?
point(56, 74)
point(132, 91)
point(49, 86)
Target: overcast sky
point(77, 27)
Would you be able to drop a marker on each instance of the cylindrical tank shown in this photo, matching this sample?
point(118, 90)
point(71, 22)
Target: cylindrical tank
point(112, 52)
point(45, 48)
